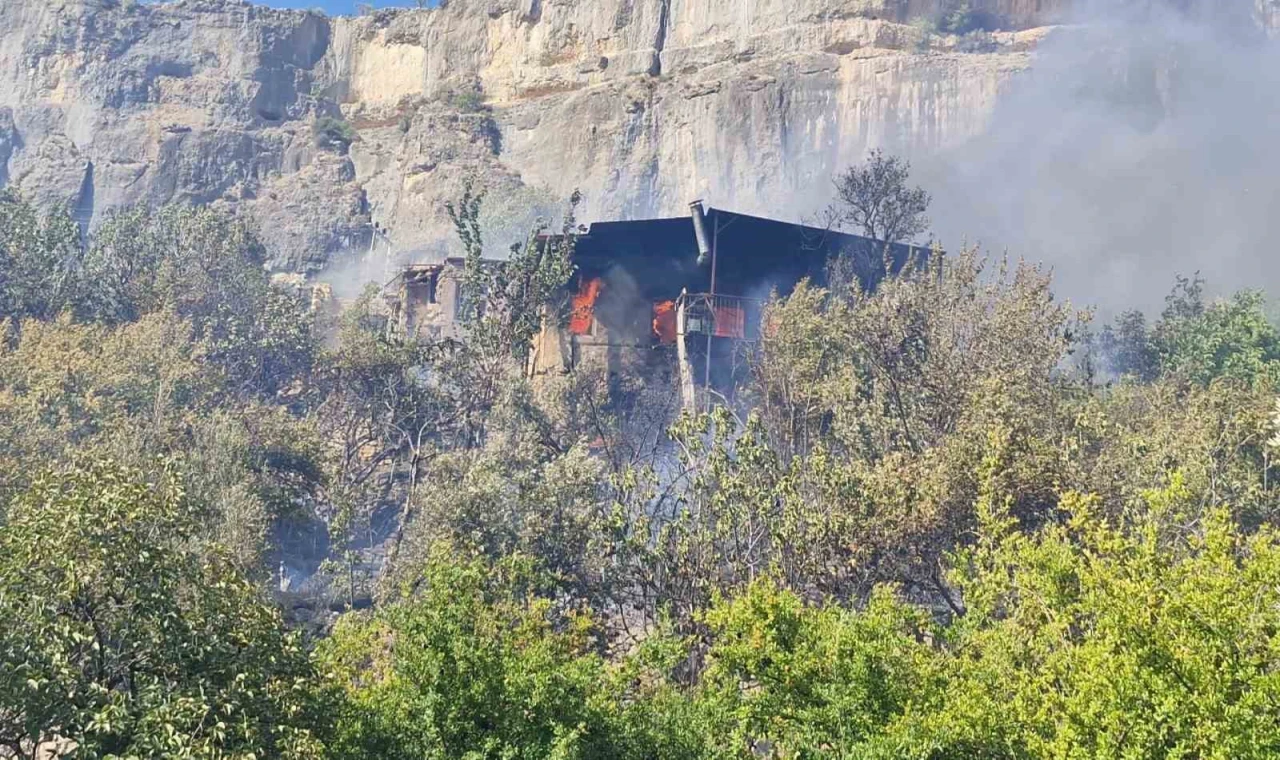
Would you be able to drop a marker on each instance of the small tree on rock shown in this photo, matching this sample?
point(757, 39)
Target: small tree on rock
point(875, 198)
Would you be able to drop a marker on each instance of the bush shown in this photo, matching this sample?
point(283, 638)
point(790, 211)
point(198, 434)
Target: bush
point(40, 255)
point(1081, 639)
point(467, 101)
point(959, 17)
point(1197, 341)
point(331, 133)
point(956, 17)
point(475, 667)
point(122, 638)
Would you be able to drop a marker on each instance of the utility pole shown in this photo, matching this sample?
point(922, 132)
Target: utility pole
point(707, 248)
point(711, 305)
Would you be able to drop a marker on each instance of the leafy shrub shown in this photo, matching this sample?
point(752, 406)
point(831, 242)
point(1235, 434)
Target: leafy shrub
point(40, 255)
point(477, 666)
point(467, 101)
point(333, 134)
point(956, 17)
point(121, 637)
point(1197, 341)
point(1081, 639)
point(959, 17)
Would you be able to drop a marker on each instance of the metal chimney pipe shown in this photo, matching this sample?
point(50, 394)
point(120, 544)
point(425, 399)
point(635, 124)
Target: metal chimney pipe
point(700, 231)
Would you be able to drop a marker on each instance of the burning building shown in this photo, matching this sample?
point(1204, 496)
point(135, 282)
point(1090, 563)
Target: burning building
point(423, 299)
point(685, 293)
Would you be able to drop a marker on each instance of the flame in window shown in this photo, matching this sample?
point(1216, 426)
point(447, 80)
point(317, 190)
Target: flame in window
point(582, 314)
point(664, 321)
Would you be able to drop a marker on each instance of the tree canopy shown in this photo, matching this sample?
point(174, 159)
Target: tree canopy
point(124, 638)
point(945, 518)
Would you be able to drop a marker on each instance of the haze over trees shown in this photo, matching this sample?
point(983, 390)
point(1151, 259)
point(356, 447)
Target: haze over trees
point(952, 520)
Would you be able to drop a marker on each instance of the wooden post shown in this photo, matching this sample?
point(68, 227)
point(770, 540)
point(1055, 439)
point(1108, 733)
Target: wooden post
point(688, 399)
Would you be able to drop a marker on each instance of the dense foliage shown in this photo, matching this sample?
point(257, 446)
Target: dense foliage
point(122, 636)
point(950, 520)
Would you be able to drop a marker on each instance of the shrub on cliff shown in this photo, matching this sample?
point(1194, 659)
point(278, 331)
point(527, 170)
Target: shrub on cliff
point(333, 134)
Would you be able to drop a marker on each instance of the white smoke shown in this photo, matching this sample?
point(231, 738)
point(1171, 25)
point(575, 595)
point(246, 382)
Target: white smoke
point(1143, 143)
point(508, 215)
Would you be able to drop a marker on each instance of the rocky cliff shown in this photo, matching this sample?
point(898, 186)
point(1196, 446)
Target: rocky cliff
point(317, 126)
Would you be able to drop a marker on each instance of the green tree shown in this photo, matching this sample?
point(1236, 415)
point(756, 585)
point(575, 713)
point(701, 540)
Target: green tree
point(207, 267)
point(476, 666)
point(65, 385)
point(959, 17)
point(1086, 638)
point(1196, 341)
point(1095, 638)
point(379, 406)
point(877, 410)
point(510, 499)
point(39, 259)
point(1127, 348)
point(1125, 439)
point(1231, 338)
point(143, 390)
point(786, 679)
point(876, 199)
point(507, 301)
point(332, 133)
point(123, 640)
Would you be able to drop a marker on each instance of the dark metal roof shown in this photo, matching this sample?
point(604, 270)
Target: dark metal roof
point(753, 254)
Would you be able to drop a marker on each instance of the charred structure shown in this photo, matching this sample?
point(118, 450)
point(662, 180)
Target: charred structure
point(682, 295)
point(423, 299)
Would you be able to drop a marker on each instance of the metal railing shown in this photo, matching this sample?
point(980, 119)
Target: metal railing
point(721, 316)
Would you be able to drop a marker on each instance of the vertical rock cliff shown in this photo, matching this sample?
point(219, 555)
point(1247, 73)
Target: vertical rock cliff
point(319, 127)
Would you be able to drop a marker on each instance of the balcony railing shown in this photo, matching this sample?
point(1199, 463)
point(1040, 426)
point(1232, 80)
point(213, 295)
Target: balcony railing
point(721, 316)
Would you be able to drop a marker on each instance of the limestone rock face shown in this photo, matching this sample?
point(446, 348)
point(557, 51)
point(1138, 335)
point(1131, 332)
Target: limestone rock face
point(115, 103)
point(645, 105)
point(319, 128)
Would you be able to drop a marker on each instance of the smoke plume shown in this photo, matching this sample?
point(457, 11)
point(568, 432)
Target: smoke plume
point(1142, 144)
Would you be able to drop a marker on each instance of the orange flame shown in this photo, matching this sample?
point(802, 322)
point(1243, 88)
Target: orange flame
point(584, 306)
point(664, 321)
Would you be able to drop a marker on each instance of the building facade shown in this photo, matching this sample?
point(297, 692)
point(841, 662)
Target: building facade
point(680, 296)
